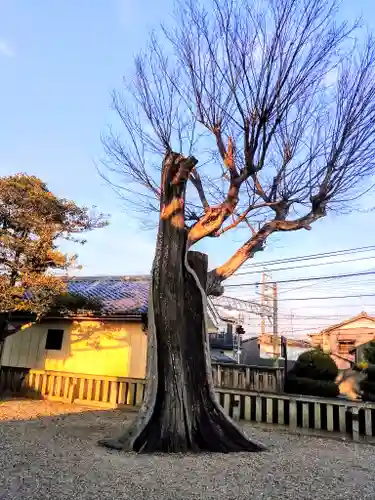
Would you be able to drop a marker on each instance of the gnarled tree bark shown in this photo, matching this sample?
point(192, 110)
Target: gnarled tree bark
point(180, 412)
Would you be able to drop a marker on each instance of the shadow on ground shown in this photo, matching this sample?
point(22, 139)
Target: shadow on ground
point(49, 450)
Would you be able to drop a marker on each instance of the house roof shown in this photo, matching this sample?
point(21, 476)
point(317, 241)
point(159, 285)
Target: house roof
point(268, 339)
point(361, 345)
point(120, 295)
point(361, 315)
point(218, 356)
point(116, 294)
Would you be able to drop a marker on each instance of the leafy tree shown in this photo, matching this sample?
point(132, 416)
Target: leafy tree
point(32, 221)
point(369, 353)
point(247, 114)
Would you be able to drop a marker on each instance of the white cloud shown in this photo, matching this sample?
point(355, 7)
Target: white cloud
point(5, 49)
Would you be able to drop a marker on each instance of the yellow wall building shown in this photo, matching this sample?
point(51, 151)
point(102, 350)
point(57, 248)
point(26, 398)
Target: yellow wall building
point(92, 347)
point(113, 344)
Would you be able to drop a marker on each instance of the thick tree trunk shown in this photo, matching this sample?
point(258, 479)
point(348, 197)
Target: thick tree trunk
point(181, 412)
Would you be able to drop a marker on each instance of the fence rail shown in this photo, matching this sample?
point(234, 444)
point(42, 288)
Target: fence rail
point(228, 376)
point(78, 388)
point(353, 419)
point(248, 377)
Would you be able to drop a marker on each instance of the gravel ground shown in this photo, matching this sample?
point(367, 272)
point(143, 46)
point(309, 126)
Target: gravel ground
point(48, 451)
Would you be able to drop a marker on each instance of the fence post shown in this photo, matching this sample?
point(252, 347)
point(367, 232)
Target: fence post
point(355, 422)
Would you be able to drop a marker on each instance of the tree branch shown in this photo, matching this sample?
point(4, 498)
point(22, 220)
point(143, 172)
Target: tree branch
point(256, 244)
point(197, 183)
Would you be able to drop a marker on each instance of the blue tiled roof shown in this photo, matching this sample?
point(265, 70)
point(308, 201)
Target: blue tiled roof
point(117, 295)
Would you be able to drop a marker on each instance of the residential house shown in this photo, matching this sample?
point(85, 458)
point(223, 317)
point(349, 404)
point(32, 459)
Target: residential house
point(263, 350)
point(112, 343)
point(341, 340)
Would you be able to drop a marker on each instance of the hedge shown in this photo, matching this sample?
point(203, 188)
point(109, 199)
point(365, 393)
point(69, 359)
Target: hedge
point(311, 387)
point(315, 364)
point(371, 373)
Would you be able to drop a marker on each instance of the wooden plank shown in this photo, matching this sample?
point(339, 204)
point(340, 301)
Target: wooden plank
point(305, 415)
point(247, 378)
point(138, 394)
point(317, 416)
point(226, 404)
point(130, 395)
point(58, 386)
point(66, 387)
point(330, 425)
point(81, 388)
point(113, 393)
point(342, 419)
point(43, 389)
point(269, 407)
point(355, 421)
point(368, 422)
point(247, 410)
point(90, 385)
point(293, 414)
point(256, 381)
point(258, 409)
point(122, 393)
point(280, 412)
point(237, 408)
point(218, 375)
point(51, 385)
point(72, 390)
point(98, 386)
point(36, 385)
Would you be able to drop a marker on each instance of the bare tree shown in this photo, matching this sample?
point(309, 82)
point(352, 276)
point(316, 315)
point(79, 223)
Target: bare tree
point(258, 114)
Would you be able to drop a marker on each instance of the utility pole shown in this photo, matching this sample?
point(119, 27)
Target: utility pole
point(291, 324)
point(274, 322)
point(262, 304)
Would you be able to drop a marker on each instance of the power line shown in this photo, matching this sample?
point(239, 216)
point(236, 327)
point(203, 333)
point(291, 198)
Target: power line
point(330, 306)
point(304, 266)
point(323, 287)
point(332, 297)
point(314, 256)
point(311, 278)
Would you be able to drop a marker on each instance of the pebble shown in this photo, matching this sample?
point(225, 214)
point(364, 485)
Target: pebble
point(49, 450)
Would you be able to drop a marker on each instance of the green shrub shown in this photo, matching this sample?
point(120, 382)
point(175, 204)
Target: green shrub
point(369, 352)
point(368, 389)
point(315, 364)
point(371, 373)
point(311, 387)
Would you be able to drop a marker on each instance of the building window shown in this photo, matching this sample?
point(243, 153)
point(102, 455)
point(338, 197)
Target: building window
point(345, 347)
point(54, 339)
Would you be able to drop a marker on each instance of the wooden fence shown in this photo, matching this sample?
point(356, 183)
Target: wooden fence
point(78, 388)
point(227, 376)
point(353, 419)
point(248, 377)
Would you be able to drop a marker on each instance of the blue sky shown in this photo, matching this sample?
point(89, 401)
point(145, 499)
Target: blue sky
point(59, 61)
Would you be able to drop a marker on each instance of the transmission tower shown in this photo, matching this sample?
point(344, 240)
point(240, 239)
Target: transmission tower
point(268, 295)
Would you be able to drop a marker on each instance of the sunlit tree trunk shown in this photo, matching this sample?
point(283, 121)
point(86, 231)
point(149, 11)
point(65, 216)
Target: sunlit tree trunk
point(180, 412)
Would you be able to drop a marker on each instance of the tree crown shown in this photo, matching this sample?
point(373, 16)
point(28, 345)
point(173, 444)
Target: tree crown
point(32, 221)
point(274, 101)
